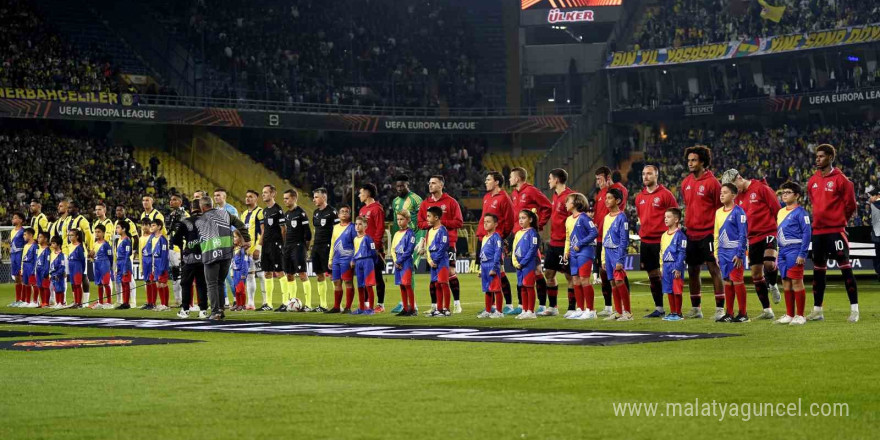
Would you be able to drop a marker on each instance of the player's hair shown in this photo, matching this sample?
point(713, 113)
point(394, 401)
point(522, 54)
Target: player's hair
point(345, 207)
point(361, 219)
point(492, 216)
point(44, 234)
point(676, 212)
point(731, 187)
point(79, 234)
point(436, 211)
point(220, 189)
point(237, 233)
point(828, 149)
point(20, 215)
point(101, 228)
point(579, 201)
point(521, 173)
point(175, 194)
point(145, 221)
point(405, 214)
point(292, 193)
point(56, 240)
point(703, 153)
point(370, 188)
point(252, 191)
point(603, 171)
point(206, 202)
point(401, 178)
point(144, 197)
point(270, 186)
point(29, 230)
point(101, 204)
point(496, 176)
point(37, 201)
point(794, 187)
point(157, 222)
point(533, 218)
point(438, 177)
point(560, 174)
point(322, 191)
point(616, 193)
point(655, 167)
point(195, 205)
point(123, 226)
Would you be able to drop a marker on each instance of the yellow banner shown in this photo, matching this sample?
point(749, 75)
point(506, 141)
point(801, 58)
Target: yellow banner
point(59, 95)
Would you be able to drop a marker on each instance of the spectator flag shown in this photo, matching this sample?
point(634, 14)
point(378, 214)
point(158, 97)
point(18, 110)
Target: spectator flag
point(772, 13)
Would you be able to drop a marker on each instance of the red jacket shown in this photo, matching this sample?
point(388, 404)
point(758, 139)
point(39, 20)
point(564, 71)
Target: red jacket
point(599, 209)
point(833, 199)
point(530, 198)
point(558, 217)
point(375, 216)
point(761, 205)
point(651, 208)
point(501, 206)
point(451, 218)
point(701, 198)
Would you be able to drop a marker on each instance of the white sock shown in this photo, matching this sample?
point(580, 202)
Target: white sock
point(854, 307)
point(262, 277)
point(178, 291)
point(456, 302)
point(660, 309)
point(608, 308)
point(817, 308)
point(251, 287)
point(768, 309)
point(133, 298)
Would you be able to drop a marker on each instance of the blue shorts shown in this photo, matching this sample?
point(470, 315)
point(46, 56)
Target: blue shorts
point(103, 274)
point(580, 265)
point(440, 274)
point(670, 283)
point(610, 258)
point(15, 260)
point(610, 265)
point(787, 264)
point(342, 270)
point(527, 275)
point(728, 272)
point(491, 283)
point(27, 272)
point(404, 276)
point(365, 271)
point(59, 286)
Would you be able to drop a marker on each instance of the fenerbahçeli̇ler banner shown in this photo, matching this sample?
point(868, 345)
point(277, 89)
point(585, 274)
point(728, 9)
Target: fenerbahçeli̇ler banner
point(745, 48)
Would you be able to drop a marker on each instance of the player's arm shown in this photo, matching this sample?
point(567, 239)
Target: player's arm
point(771, 200)
point(454, 220)
point(849, 199)
point(531, 247)
point(545, 207)
point(422, 217)
point(567, 247)
point(717, 229)
point(743, 235)
point(238, 224)
point(623, 236)
point(308, 233)
point(508, 215)
point(681, 243)
point(496, 257)
point(409, 246)
point(806, 235)
point(262, 232)
point(592, 230)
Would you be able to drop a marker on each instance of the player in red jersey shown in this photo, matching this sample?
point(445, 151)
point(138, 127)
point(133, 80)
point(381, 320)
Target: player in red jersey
point(452, 221)
point(761, 206)
point(555, 260)
point(526, 196)
point(497, 202)
point(834, 203)
point(373, 212)
point(604, 182)
point(701, 192)
point(651, 206)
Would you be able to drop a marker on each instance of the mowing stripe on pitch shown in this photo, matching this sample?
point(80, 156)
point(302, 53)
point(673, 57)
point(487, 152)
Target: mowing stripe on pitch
point(435, 333)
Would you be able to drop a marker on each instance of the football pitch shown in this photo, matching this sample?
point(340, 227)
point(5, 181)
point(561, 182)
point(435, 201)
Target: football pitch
point(264, 386)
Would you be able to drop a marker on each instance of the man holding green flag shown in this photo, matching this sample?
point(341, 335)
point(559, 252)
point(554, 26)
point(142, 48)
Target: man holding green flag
point(406, 200)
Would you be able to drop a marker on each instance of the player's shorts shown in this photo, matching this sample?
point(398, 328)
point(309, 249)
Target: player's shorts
point(491, 283)
point(15, 260)
point(365, 271)
point(404, 276)
point(45, 282)
point(580, 265)
point(159, 277)
point(669, 282)
point(76, 278)
point(649, 256)
point(320, 257)
point(342, 270)
point(700, 251)
point(612, 273)
point(294, 259)
point(240, 288)
point(526, 276)
point(787, 264)
point(728, 272)
point(756, 251)
point(834, 246)
point(59, 286)
point(271, 257)
point(440, 274)
point(555, 259)
point(102, 275)
point(31, 280)
point(452, 257)
point(123, 277)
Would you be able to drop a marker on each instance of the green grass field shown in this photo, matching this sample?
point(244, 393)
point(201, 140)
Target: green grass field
point(267, 386)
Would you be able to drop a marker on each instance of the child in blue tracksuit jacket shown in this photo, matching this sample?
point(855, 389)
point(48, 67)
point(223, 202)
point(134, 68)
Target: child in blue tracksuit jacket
point(240, 267)
point(160, 265)
point(364, 268)
point(123, 265)
point(403, 244)
point(580, 250)
point(673, 247)
point(525, 260)
point(437, 240)
point(731, 242)
point(615, 240)
point(58, 271)
point(42, 270)
point(491, 251)
point(794, 233)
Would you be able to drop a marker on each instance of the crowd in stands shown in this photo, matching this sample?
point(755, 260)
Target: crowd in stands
point(328, 163)
point(364, 52)
point(52, 166)
point(777, 154)
point(678, 23)
point(33, 56)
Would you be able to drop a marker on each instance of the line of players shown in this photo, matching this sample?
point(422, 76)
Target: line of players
point(712, 238)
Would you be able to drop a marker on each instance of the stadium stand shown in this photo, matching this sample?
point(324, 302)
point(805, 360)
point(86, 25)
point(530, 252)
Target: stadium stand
point(503, 162)
point(177, 174)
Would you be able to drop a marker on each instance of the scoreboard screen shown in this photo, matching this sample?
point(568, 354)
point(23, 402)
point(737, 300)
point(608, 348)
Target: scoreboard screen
point(568, 12)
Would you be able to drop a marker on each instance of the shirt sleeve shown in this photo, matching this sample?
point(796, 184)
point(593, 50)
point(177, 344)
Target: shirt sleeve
point(807, 231)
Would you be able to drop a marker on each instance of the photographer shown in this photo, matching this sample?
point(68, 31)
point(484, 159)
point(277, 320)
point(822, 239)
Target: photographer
point(175, 215)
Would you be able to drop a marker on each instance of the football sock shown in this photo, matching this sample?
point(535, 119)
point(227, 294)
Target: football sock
point(270, 290)
point(18, 293)
point(337, 296)
point(578, 297)
point(371, 300)
point(849, 280)
point(411, 296)
point(322, 293)
point(763, 292)
point(488, 299)
point(447, 295)
point(623, 291)
point(454, 288)
point(380, 286)
point(499, 301)
point(800, 298)
point(505, 290)
point(656, 290)
point(819, 286)
point(361, 298)
point(519, 295)
point(772, 276)
point(292, 290)
point(404, 297)
point(433, 289)
point(720, 296)
point(615, 296)
point(789, 302)
point(607, 290)
point(552, 296)
point(729, 294)
point(542, 289)
point(349, 296)
point(307, 292)
point(572, 300)
point(589, 295)
point(671, 298)
point(740, 290)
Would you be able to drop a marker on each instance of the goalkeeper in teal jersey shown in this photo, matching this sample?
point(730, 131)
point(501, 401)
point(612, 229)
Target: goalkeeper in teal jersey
point(407, 200)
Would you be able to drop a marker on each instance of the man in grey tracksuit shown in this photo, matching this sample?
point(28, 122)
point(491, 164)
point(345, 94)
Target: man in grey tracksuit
point(215, 233)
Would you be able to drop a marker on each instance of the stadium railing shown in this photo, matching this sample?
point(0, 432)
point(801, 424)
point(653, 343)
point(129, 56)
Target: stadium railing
point(204, 101)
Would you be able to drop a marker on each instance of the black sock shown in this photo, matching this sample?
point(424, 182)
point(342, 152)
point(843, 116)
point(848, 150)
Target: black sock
point(519, 295)
point(849, 280)
point(626, 281)
point(380, 288)
point(541, 288)
point(455, 288)
point(505, 290)
point(606, 291)
point(818, 287)
point(772, 276)
point(656, 291)
point(433, 289)
point(763, 292)
point(572, 303)
point(552, 293)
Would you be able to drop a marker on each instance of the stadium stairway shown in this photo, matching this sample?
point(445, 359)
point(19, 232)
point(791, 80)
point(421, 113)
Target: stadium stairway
point(527, 160)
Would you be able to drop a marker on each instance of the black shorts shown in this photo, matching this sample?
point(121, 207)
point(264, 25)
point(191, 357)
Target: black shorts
point(270, 257)
point(649, 256)
point(320, 256)
point(700, 251)
point(555, 259)
point(294, 258)
point(834, 246)
point(756, 251)
point(452, 257)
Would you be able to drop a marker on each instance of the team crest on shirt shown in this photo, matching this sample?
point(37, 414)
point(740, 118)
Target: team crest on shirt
point(494, 204)
point(270, 220)
point(656, 200)
point(829, 186)
point(293, 224)
point(323, 221)
point(701, 190)
point(753, 196)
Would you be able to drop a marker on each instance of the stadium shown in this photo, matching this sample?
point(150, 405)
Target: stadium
point(444, 219)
